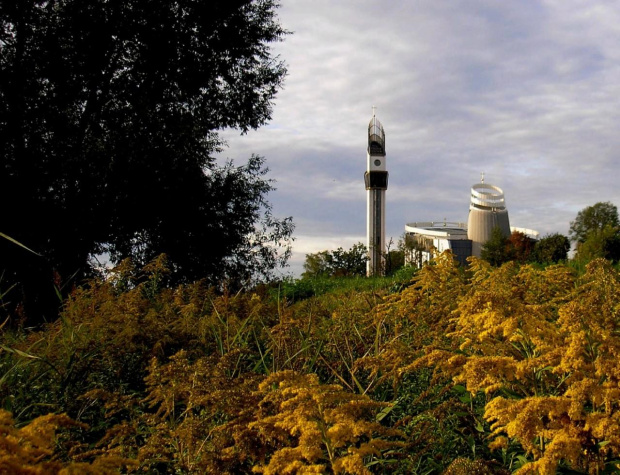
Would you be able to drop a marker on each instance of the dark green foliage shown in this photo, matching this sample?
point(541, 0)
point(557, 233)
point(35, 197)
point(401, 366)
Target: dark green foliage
point(403, 277)
point(499, 248)
point(394, 260)
point(551, 249)
point(603, 243)
point(294, 290)
point(299, 289)
point(593, 218)
point(596, 231)
point(441, 421)
point(338, 263)
point(495, 250)
point(109, 120)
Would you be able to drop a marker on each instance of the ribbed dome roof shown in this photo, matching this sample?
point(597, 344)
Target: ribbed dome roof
point(376, 137)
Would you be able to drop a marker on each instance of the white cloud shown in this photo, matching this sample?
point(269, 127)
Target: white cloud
point(525, 91)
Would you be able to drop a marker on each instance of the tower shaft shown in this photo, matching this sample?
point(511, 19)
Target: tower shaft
point(375, 232)
point(376, 181)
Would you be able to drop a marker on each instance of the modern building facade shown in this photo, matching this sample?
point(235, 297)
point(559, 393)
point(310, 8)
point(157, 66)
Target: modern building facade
point(426, 237)
point(487, 210)
point(376, 181)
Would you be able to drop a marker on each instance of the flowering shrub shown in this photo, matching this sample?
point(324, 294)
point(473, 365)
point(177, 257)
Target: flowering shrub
point(30, 449)
point(543, 346)
point(486, 369)
point(318, 428)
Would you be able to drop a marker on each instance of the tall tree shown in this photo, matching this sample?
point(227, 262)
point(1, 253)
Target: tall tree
point(317, 264)
point(593, 218)
point(109, 120)
point(603, 243)
point(551, 248)
point(496, 250)
point(596, 232)
point(519, 247)
point(351, 262)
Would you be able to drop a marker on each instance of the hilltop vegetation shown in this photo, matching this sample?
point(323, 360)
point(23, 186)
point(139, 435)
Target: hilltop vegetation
point(178, 361)
point(489, 369)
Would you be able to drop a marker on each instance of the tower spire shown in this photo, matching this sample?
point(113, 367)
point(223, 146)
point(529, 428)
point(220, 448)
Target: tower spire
point(376, 181)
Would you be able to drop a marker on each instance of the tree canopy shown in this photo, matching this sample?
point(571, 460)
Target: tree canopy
point(596, 231)
point(109, 120)
point(593, 218)
point(551, 248)
point(521, 248)
point(338, 263)
point(495, 250)
point(600, 243)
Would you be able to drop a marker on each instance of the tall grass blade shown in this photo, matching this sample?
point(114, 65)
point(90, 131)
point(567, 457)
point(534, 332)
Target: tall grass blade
point(18, 243)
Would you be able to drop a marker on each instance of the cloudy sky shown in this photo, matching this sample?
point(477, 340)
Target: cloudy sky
point(525, 91)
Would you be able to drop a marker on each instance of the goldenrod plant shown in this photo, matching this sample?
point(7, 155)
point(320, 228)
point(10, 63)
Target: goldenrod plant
point(31, 448)
point(318, 428)
point(483, 369)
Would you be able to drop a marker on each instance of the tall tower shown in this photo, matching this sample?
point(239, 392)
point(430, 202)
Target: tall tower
point(487, 210)
point(376, 180)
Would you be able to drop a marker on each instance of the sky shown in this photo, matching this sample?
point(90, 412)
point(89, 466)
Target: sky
point(527, 92)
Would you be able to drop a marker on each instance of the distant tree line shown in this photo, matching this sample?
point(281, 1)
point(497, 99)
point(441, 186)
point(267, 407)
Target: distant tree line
point(595, 232)
point(522, 248)
point(349, 262)
point(337, 263)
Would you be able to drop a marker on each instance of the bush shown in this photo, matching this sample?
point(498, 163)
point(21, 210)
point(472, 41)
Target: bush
point(501, 368)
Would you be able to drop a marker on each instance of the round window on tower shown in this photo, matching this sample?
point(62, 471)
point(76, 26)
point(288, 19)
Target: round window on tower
point(377, 163)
